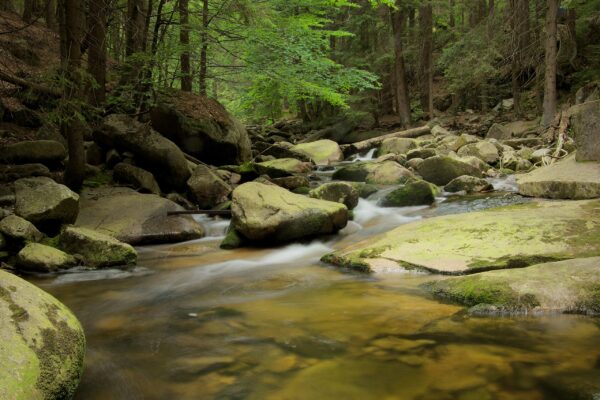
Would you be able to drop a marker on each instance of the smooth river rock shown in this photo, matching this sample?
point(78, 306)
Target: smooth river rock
point(566, 179)
point(269, 213)
point(98, 250)
point(504, 237)
point(570, 286)
point(42, 344)
point(321, 152)
point(135, 218)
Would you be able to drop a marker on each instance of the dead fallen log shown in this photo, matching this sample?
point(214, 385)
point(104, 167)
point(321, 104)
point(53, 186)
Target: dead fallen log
point(211, 213)
point(29, 85)
point(368, 144)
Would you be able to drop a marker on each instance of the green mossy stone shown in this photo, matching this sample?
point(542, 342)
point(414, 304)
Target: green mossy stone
point(97, 249)
point(415, 193)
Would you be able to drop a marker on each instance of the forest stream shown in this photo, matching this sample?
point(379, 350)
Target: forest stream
point(192, 321)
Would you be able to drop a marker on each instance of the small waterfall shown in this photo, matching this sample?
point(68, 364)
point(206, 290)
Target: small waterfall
point(505, 184)
point(367, 157)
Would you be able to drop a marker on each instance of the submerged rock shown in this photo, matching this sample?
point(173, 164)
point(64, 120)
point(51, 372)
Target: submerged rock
point(42, 258)
point(269, 213)
point(442, 169)
point(45, 202)
point(42, 346)
point(321, 152)
point(570, 286)
point(98, 250)
point(503, 237)
point(340, 192)
point(135, 218)
point(415, 193)
point(47, 152)
point(566, 179)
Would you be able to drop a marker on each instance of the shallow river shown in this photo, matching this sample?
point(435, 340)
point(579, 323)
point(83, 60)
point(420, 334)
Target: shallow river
point(195, 322)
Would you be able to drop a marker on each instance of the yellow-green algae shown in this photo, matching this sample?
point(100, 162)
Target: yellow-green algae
point(571, 286)
point(42, 344)
point(504, 237)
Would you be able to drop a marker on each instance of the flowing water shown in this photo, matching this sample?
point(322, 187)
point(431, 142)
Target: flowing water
point(196, 322)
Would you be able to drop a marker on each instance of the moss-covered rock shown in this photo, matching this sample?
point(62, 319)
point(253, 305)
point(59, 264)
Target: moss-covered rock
point(47, 152)
point(45, 203)
point(321, 152)
point(10, 173)
point(98, 250)
point(207, 188)
point(396, 146)
point(571, 286)
point(504, 237)
point(232, 240)
point(137, 177)
point(135, 218)
point(19, 230)
point(483, 150)
point(281, 167)
point(469, 184)
point(340, 192)
point(421, 153)
point(269, 213)
point(42, 258)
point(442, 169)
point(566, 179)
point(42, 344)
point(388, 173)
point(415, 193)
point(292, 182)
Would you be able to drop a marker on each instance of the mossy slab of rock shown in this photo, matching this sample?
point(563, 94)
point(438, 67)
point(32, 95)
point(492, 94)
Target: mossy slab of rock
point(376, 173)
point(483, 150)
point(571, 286)
point(415, 193)
point(10, 173)
point(321, 152)
point(207, 188)
point(42, 258)
point(397, 146)
point(291, 182)
point(135, 218)
point(17, 229)
point(98, 250)
point(504, 237)
point(566, 179)
point(469, 184)
point(282, 167)
point(44, 202)
point(442, 169)
point(340, 192)
point(48, 152)
point(42, 344)
point(137, 177)
point(269, 213)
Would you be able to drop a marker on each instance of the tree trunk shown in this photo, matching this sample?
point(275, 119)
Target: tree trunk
point(452, 21)
point(426, 58)
point(550, 62)
point(28, 10)
point(184, 40)
point(50, 14)
point(204, 49)
point(134, 27)
point(402, 97)
point(71, 31)
point(97, 51)
point(7, 5)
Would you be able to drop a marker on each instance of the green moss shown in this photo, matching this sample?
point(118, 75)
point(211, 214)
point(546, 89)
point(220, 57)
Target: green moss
point(373, 252)
point(102, 178)
point(232, 240)
point(345, 262)
point(412, 194)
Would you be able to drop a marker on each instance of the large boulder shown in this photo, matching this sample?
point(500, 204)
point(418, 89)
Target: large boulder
point(504, 237)
point(282, 167)
point(569, 286)
point(340, 192)
point(566, 179)
point(45, 203)
point(415, 193)
point(97, 250)
point(10, 173)
point(442, 169)
point(269, 213)
point(207, 188)
point(41, 258)
point(137, 177)
point(483, 150)
point(42, 345)
point(397, 146)
point(153, 152)
point(47, 152)
point(18, 230)
point(135, 218)
point(201, 127)
point(377, 173)
point(321, 152)
point(585, 121)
